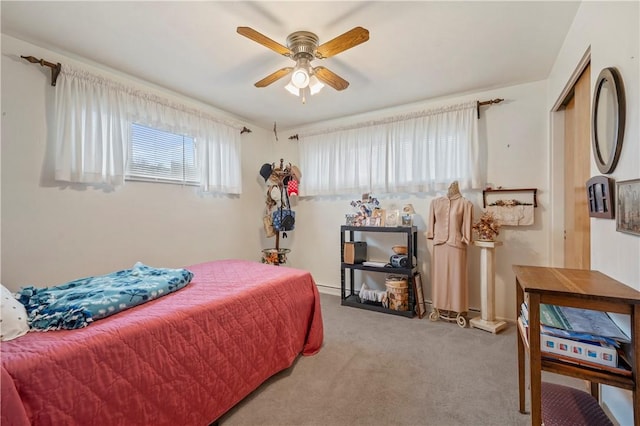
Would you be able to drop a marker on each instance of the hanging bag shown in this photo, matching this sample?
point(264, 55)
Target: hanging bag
point(284, 219)
point(287, 216)
point(267, 221)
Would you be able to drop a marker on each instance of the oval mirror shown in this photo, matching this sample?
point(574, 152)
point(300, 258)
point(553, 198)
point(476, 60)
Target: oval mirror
point(607, 120)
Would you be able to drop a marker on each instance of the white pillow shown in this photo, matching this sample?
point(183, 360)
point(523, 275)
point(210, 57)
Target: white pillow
point(13, 316)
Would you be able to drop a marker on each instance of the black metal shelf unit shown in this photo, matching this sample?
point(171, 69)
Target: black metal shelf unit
point(347, 234)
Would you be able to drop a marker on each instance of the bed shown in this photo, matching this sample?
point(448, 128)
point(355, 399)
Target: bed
point(185, 358)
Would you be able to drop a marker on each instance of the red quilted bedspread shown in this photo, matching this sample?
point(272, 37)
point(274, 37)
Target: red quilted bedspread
point(183, 359)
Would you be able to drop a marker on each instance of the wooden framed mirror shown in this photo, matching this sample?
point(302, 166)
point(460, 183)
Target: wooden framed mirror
point(608, 119)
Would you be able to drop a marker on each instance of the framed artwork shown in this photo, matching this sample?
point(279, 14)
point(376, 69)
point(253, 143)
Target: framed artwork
point(600, 196)
point(628, 206)
point(392, 218)
point(417, 290)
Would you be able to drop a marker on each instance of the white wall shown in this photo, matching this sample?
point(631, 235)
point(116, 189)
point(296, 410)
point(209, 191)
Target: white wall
point(52, 233)
point(514, 136)
point(611, 31)
point(69, 232)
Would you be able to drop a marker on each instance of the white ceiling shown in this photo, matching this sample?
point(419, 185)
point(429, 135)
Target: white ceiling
point(417, 50)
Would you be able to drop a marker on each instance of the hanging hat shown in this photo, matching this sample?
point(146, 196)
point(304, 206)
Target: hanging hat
point(274, 193)
point(295, 172)
point(265, 171)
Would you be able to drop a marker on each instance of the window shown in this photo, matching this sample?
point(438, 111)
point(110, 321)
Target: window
point(160, 156)
point(417, 152)
point(93, 133)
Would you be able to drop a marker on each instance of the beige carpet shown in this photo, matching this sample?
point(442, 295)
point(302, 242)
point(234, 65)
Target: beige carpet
point(383, 369)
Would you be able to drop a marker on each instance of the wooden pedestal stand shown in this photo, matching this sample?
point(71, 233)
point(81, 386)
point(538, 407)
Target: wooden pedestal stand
point(487, 320)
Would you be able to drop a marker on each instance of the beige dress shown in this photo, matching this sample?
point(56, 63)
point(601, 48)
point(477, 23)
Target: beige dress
point(450, 221)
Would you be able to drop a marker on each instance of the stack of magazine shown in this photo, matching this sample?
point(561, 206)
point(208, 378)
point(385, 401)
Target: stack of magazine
point(581, 336)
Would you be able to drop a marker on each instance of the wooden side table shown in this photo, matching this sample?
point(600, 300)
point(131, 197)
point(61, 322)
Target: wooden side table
point(487, 319)
point(577, 288)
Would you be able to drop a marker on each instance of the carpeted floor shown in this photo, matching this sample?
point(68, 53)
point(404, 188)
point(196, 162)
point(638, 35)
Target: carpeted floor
point(383, 369)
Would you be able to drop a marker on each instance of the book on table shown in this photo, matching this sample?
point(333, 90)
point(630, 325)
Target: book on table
point(582, 322)
point(582, 336)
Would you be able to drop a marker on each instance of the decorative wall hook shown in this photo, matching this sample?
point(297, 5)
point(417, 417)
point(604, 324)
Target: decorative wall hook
point(245, 130)
point(55, 68)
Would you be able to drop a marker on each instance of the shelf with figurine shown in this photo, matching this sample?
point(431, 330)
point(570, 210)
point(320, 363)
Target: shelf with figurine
point(368, 212)
point(400, 294)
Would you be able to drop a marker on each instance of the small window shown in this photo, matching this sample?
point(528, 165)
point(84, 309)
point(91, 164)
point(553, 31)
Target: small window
point(160, 156)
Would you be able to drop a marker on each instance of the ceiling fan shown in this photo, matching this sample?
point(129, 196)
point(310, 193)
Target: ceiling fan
point(302, 47)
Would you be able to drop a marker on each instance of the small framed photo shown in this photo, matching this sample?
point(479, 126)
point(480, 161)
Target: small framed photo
point(406, 220)
point(628, 206)
point(377, 217)
point(421, 309)
point(373, 221)
point(600, 196)
point(392, 218)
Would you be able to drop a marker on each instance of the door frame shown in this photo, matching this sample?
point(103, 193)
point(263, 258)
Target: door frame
point(556, 161)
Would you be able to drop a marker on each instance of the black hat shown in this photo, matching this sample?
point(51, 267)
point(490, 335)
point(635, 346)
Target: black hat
point(265, 171)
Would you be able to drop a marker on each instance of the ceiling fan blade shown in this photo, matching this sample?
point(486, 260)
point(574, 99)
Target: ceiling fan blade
point(263, 40)
point(331, 78)
point(343, 42)
point(275, 76)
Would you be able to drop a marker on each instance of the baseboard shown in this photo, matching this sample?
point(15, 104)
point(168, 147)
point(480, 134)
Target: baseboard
point(325, 289)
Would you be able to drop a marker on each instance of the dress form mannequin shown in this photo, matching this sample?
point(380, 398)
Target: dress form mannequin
point(450, 220)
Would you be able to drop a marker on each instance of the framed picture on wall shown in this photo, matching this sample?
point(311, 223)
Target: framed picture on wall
point(628, 206)
point(600, 196)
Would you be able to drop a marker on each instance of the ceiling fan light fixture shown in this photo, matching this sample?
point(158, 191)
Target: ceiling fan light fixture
point(303, 47)
point(300, 78)
point(315, 85)
point(292, 89)
point(300, 75)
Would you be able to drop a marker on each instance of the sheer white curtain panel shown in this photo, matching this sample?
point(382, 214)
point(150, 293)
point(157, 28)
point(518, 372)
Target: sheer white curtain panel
point(91, 129)
point(418, 152)
point(93, 118)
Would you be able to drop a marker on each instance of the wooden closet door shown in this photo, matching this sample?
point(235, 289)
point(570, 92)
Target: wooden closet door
point(577, 154)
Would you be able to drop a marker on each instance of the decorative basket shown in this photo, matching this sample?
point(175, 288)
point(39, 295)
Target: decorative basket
point(400, 249)
point(397, 292)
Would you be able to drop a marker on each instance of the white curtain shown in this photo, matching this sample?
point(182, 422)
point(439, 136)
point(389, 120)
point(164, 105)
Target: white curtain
point(417, 152)
point(93, 117)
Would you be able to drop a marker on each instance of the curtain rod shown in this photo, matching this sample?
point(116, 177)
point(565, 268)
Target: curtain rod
point(56, 68)
point(489, 102)
point(478, 105)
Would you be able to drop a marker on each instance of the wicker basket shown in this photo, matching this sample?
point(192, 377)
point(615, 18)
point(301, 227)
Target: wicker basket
point(397, 292)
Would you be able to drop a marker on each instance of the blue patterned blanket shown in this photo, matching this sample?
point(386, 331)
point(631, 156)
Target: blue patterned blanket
point(78, 303)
